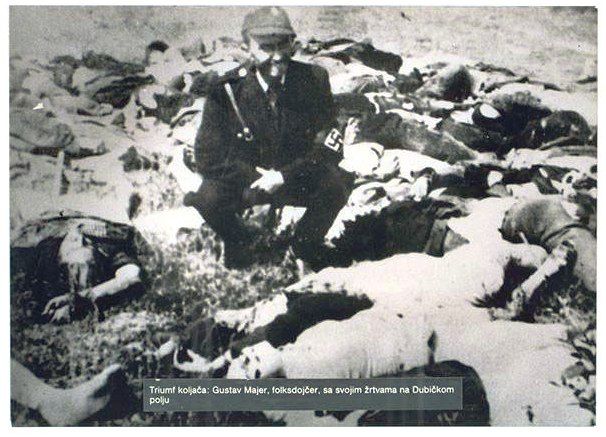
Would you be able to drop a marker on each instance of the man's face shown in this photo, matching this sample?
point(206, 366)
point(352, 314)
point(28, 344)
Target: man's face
point(76, 255)
point(271, 53)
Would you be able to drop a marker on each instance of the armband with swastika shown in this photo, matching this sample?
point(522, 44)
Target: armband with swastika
point(334, 140)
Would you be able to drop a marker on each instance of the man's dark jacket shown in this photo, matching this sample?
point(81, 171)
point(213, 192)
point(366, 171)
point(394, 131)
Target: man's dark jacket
point(287, 139)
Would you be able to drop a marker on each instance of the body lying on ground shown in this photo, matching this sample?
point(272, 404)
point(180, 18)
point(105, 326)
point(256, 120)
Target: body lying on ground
point(546, 223)
point(353, 348)
point(71, 261)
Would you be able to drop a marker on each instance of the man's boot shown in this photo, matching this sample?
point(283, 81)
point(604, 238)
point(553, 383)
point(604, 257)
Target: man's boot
point(237, 254)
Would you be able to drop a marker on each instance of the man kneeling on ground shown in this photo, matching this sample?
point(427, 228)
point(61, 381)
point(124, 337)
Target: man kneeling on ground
point(268, 136)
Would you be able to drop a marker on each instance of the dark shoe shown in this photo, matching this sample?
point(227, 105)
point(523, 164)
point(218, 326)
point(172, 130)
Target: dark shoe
point(317, 255)
point(237, 255)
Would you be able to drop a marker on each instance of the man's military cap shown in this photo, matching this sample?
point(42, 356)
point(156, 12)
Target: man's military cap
point(268, 20)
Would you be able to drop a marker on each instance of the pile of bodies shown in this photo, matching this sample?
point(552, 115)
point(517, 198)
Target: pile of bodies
point(464, 173)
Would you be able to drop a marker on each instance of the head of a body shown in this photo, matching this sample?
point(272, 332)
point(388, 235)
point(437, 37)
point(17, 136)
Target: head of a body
point(269, 38)
point(76, 257)
point(154, 52)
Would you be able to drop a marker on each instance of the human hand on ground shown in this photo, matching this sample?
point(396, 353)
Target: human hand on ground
point(194, 363)
point(58, 309)
point(351, 131)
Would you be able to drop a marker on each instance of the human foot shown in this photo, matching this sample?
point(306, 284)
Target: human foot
point(72, 406)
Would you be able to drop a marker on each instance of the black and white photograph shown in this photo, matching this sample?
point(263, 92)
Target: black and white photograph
point(280, 194)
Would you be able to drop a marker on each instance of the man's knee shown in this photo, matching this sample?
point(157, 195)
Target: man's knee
point(335, 188)
point(209, 197)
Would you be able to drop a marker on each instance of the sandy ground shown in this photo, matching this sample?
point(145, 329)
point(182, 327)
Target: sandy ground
point(555, 44)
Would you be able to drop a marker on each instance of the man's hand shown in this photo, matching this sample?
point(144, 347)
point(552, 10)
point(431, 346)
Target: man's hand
point(269, 181)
